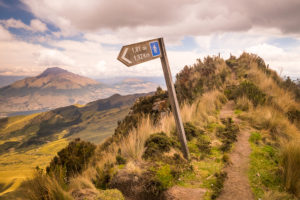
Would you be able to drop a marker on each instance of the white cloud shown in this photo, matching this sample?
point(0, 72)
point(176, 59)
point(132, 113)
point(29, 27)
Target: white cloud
point(282, 61)
point(13, 23)
point(38, 26)
point(5, 34)
point(54, 58)
point(35, 25)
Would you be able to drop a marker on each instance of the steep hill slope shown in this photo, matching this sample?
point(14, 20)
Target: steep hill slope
point(30, 141)
point(143, 159)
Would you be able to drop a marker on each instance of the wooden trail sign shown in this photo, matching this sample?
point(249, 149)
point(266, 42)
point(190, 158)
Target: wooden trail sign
point(144, 51)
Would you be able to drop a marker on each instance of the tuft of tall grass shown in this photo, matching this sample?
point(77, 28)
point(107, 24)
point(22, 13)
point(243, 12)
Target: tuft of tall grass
point(291, 167)
point(45, 187)
point(269, 118)
point(243, 103)
point(281, 98)
point(133, 145)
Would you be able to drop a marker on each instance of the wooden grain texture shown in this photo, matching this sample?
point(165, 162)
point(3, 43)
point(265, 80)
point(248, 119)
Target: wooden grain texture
point(173, 99)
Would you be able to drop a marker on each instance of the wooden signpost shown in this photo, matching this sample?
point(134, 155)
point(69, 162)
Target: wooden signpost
point(137, 53)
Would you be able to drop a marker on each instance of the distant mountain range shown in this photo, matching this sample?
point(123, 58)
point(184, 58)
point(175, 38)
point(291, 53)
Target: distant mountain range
point(56, 87)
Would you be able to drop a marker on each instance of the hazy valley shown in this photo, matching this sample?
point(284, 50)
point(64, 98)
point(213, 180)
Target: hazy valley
point(56, 87)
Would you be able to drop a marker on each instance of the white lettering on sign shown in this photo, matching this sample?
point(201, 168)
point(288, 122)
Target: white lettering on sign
point(139, 49)
point(141, 56)
point(140, 52)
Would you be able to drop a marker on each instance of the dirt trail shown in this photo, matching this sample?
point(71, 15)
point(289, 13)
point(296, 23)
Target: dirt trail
point(237, 184)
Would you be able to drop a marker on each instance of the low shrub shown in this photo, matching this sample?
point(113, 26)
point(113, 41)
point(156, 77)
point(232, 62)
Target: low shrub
point(204, 144)
point(294, 115)
point(219, 184)
point(71, 160)
point(120, 160)
point(191, 131)
point(104, 176)
point(157, 144)
point(228, 134)
point(247, 89)
point(165, 176)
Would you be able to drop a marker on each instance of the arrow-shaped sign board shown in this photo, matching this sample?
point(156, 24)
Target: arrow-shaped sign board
point(144, 51)
point(140, 52)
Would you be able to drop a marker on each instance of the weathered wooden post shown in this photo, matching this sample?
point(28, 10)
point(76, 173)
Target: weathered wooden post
point(144, 51)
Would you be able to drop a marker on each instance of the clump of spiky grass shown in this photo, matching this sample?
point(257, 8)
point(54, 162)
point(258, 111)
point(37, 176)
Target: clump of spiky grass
point(43, 186)
point(291, 167)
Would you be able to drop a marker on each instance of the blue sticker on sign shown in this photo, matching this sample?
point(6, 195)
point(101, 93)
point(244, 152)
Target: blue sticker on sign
point(155, 48)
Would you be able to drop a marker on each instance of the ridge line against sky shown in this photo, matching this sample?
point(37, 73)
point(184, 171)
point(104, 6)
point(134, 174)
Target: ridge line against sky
point(85, 37)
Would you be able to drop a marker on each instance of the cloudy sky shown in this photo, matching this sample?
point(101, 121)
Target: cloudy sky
point(85, 36)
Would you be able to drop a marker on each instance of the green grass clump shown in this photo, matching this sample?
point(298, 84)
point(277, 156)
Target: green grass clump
point(165, 177)
point(191, 131)
point(204, 144)
point(255, 137)
point(237, 111)
point(264, 172)
point(112, 194)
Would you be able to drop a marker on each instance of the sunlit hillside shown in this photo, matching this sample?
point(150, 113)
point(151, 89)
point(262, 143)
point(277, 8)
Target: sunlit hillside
point(33, 140)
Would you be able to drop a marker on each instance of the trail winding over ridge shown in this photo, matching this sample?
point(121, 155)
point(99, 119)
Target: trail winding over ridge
point(236, 186)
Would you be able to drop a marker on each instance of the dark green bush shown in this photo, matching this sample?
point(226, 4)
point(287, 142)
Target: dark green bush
point(72, 159)
point(120, 160)
point(194, 80)
point(292, 86)
point(104, 176)
point(248, 89)
point(191, 131)
point(232, 61)
point(228, 134)
point(143, 106)
point(219, 184)
point(294, 115)
point(203, 144)
point(157, 144)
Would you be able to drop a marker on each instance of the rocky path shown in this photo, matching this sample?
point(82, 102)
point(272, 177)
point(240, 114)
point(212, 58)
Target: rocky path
point(236, 186)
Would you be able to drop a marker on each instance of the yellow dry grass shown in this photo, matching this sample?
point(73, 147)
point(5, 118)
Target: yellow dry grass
point(282, 98)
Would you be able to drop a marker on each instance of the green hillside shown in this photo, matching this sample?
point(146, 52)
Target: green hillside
point(242, 125)
point(30, 141)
